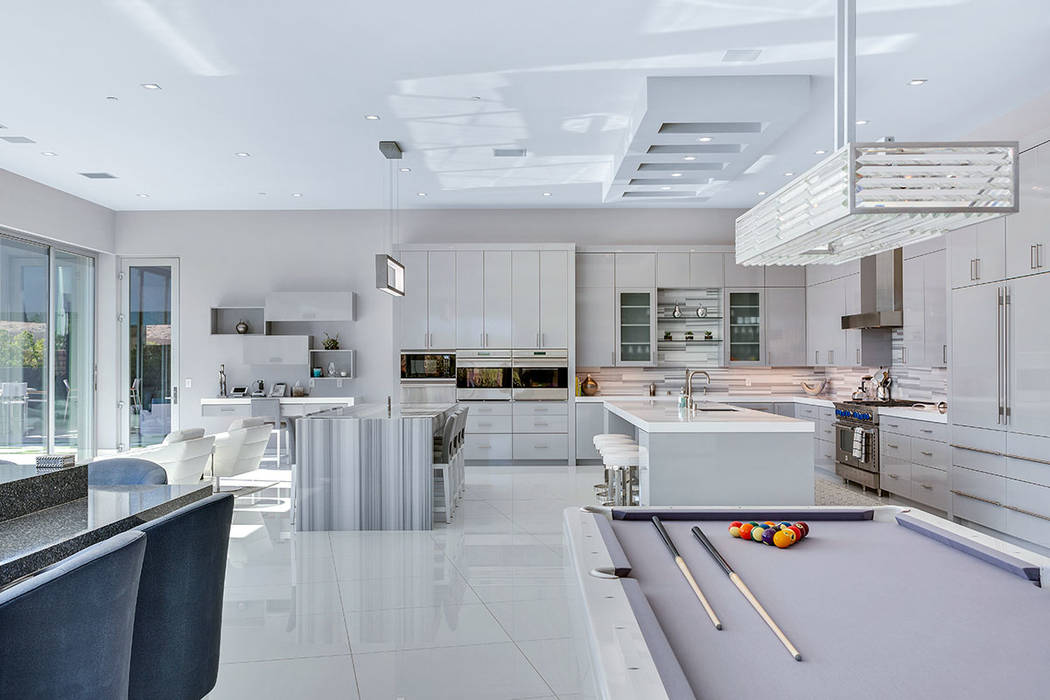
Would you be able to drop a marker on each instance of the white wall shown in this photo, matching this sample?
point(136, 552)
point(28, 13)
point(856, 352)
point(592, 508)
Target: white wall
point(30, 207)
point(236, 258)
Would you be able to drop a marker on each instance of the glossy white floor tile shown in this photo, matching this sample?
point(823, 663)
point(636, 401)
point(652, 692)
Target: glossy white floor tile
point(534, 619)
point(283, 636)
point(422, 628)
point(387, 594)
point(321, 677)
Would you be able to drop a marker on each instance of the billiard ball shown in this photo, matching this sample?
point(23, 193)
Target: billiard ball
point(784, 538)
point(734, 529)
point(756, 533)
point(770, 523)
point(804, 528)
point(797, 531)
point(745, 531)
point(768, 534)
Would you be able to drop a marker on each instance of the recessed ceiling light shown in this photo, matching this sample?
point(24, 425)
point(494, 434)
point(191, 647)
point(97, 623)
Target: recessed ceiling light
point(820, 151)
point(297, 194)
point(151, 86)
point(704, 139)
point(242, 154)
point(761, 194)
point(862, 122)
point(372, 117)
point(917, 81)
point(665, 187)
point(406, 170)
point(789, 174)
point(48, 153)
point(676, 174)
point(142, 194)
point(476, 98)
point(546, 194)
point(261, 194)
point(421, 194)
point(688, 157)
point(114, 98)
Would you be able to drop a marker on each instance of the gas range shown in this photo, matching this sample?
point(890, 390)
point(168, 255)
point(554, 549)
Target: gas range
point(857, 440)
point(865, 412)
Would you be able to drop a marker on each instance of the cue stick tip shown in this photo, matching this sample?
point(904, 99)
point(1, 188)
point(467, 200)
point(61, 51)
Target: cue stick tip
point(798, 657)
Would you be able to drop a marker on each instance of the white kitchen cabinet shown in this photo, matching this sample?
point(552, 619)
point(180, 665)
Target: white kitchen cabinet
point(276, 350)
point(706, 270)
point(470, 299)
point(853, 337)
point(744, 333)
point(498, 298)
point(978, 253)
point(672, 270)
point(975, 384)
point(935, 308)
point(636, 327)
point(635, 270)
point(554, 301)
point(785, 326)
point(1027, 351)
point(742, 275)
point(414, 330)
point(1028, 231)
point(441, 299)
point(590, 421)
point(595, 327)
point(595, 270)
point(525, 299)
point(785, 276)
point(309, 306)
point(913, 350)
point(825, 340)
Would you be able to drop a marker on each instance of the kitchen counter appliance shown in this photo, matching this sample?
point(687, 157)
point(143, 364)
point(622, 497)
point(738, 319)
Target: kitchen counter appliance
point(857, 440)
point(483, 375)
point(428, 367)
point(540, 375)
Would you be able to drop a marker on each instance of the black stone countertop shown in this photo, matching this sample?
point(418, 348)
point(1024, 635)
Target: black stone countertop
point(39, 539)
point(23, 489)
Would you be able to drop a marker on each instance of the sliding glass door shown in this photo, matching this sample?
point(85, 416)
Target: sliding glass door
point(47, 351)
point(149, 290)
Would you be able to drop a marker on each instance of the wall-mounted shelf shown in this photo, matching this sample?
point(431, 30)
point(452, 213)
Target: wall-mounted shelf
point(344, 360)
point(697, 352)
point(224, 320)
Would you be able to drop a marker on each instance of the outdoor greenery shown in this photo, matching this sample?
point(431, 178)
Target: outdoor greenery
point(21, 350)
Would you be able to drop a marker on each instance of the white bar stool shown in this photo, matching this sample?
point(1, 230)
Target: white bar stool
point(605, 440)
point(621, 468)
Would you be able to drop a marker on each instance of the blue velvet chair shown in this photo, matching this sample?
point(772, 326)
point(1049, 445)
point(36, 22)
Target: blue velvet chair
point(67, 632)
point(125, 470)
point(175, 653)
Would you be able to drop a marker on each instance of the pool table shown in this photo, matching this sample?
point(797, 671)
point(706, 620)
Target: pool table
point(882, 602)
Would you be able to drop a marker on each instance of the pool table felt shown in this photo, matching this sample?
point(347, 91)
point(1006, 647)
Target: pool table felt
point(876, 609)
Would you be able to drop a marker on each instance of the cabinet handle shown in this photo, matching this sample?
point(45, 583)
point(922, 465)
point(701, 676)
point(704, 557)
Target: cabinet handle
point(226, 410)
point(1032, 257)
point(926, 486)
point(1006, 355)
point(543, 423)
point(944, 354)
point(816, 357)
point(831, 357)
point(924, 452)
point(1029, 512)
point(977, 268)
point(542, 447)
point(925, 430)
point(972, 273)
point(893, 476)
point(481, 340)
point(976, 498)
point(892, 446)
point(904, 354)
point(858, 356)
point(999, 356)
point(484, 447)
point(484, 425)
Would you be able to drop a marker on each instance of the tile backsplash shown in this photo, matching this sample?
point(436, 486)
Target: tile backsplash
point(751, 380)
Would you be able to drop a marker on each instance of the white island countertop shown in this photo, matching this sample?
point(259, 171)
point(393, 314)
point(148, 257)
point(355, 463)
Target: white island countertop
point(286, 400)
point(663, 416)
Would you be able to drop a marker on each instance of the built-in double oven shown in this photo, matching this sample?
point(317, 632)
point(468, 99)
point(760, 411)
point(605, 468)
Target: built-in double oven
point(483, 375)
point(540, 375)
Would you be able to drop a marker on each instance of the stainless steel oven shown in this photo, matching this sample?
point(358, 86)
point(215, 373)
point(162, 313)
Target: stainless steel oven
point(857, 440)
point(428, 367)
point(541, 375)
point(483, 375)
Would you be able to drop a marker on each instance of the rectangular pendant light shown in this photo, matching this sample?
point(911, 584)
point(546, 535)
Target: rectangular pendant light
point(390, 275)
point(869, 197)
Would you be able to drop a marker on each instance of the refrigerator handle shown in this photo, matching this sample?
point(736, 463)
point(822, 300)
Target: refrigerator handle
point(999, 356)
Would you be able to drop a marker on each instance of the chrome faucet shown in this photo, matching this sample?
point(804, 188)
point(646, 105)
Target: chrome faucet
point(689, 374)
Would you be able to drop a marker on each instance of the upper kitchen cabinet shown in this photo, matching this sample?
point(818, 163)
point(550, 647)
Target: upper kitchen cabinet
point(539, 303)
point(636, 270)
point(705, 270)
point(742, 275)
point(636, 326)
point(978, 253)
point(595, 270)
point(913, 350)
point(785, 276)
point(935, 308)
point(1028, 231)
point(415, 330)
point(428, 316)
point(276, 350)
point(744, 336)
point(309, 306)
point(672, 270)
point(483, 299)
point(977, 361)
point(595, 310)
point(1026, 350)
point(785, 315)
point(825, 339)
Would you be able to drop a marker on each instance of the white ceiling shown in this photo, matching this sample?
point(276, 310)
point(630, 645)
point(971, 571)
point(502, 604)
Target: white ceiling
point(290, 83)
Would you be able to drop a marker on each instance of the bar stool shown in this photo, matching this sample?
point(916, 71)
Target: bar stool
point(621, 468)
point(604, 440)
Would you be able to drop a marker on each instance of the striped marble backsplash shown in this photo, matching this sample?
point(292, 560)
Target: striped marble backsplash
point(735, 380)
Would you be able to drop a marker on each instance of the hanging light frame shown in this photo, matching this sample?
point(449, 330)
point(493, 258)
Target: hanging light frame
point(868, 197)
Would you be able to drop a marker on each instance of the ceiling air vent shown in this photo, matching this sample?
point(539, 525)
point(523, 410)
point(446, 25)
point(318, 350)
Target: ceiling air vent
point(17, 139)
point(99, 176)
point(508, 152)
point(740, 55)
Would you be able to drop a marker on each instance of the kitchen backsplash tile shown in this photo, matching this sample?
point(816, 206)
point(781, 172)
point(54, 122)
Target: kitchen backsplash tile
point(762, 380)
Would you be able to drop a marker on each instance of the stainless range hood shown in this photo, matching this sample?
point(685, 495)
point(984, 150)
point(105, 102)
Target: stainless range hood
point(881, 289)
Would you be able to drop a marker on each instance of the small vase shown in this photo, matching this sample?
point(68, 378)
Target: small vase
point(241, 327)
point(589, 387)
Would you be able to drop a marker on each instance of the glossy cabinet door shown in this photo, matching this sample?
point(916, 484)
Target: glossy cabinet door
point(744, 334)
point(415, 332)
point(1028, 355)
point(826, 341)
point(742, 275)
point(975, 357)
point(595, 270)
point(1028, 231)
point(595, 327)
point(991, 250)
point(637, 270)
point(785, 326)
point(852, 338)
point(913, 350)
point(705, 270)
point(962, 254)
point(785, 276)
point(525, 299)
point(498, 304)
point(470, 299)
point(441, 302)
point(935, 309)
point(635, 327)
point(672, 270)
point(554, 299)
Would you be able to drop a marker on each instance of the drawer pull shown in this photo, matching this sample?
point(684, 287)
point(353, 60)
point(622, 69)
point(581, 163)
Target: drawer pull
point(928, 454)
point(926, 486)
point(540, 410)
point(227, 409)
point(1002, 454)
point(925, 430)
point(542, 447)
point(893, 476)
point(892, 446)
point(976, 498)
point(484, 425)
point(894, 425)
point(1028, 512)
point(536, 422)
point(484, 447)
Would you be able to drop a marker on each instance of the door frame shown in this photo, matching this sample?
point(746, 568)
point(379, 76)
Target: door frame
point(124, 393)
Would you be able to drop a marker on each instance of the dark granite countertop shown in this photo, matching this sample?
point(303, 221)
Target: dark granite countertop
point(39, 539)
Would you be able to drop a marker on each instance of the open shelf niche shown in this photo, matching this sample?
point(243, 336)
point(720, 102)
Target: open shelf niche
point(681, 351)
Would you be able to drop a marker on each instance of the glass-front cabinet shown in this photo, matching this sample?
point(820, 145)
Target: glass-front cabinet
point(744, 335)
point(635, 327)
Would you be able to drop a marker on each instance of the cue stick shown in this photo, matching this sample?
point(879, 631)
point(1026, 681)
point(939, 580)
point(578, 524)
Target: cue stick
point(746, 592)
point(685, 572)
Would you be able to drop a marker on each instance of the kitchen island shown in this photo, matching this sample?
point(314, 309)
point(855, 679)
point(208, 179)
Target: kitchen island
point(717, 454)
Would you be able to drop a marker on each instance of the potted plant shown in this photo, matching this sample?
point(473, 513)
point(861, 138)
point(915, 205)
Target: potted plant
point(331, 343)
point(688, 335)
point(708, 335)
point(667, 335)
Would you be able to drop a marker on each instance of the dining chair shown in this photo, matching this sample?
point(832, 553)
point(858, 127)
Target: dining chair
point(125, 470)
